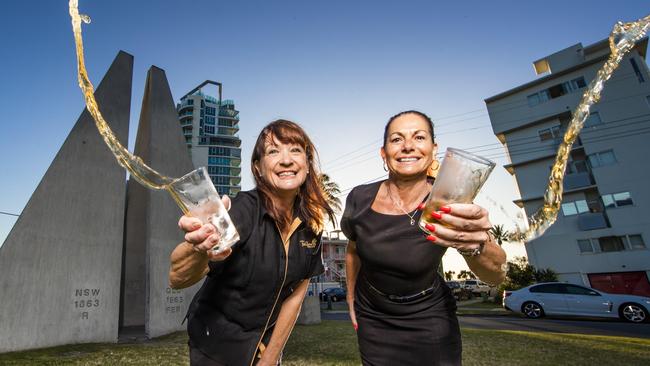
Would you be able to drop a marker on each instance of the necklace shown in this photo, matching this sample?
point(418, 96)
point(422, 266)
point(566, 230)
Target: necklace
point(399, 205)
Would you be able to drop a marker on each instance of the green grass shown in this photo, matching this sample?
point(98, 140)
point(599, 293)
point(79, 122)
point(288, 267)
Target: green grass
point(334, 343)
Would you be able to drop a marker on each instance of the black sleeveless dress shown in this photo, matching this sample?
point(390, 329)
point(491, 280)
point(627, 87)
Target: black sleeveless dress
point(405, 311)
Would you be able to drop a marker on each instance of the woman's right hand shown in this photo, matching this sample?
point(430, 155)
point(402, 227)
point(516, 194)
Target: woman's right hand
point(203, 237)
point(353, 316)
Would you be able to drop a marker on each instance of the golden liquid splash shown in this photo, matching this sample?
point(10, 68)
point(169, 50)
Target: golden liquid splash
point(144, 174)
point(622, 39)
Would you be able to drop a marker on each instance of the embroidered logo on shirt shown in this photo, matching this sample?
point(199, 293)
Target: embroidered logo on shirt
point(308, 244)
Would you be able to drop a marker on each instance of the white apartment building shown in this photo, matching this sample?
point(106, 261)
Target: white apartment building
point(602, 234)
point(210, 126)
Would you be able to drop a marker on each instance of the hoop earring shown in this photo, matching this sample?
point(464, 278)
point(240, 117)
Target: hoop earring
point(385, 167)
point(432, 171)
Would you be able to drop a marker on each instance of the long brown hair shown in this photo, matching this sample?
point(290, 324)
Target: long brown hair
point(312, 204)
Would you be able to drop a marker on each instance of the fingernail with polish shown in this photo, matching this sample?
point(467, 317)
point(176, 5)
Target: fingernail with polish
point(430, 227)
point(445, 209)
point(356, 327)
point(431, 238)
point(421, 206)
point(436, 215)
point(196, 225)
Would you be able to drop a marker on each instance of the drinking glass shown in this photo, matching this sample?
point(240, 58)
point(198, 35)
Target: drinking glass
point(197, 197)
point(461, 176)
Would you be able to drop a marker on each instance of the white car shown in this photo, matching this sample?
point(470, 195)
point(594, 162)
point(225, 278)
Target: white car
point(555, 298)
point(477, 287)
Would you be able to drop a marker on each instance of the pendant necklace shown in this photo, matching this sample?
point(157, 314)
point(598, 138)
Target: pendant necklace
point(399, 205)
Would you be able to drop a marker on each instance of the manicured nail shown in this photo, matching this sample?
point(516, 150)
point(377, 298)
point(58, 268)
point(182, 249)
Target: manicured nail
point(196, 225)
point(431, 238)
point(420, 206)
point(356, 327)
point(445, 209)
point(430, 227)
point(436, 215)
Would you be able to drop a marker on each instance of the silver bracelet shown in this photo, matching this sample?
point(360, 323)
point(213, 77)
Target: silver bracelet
point(476, 251)
point(472, 252)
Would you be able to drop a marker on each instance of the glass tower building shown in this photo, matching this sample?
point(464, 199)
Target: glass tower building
point(210, 126)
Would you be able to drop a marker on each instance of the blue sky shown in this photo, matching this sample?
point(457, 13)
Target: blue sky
point(339, 68)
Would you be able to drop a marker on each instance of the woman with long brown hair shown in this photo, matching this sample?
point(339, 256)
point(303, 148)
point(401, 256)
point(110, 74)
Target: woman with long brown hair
point(245, 310)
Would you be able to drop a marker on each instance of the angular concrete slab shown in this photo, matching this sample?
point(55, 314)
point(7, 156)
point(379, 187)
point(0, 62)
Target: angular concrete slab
point(60, 264)
point(151, 220)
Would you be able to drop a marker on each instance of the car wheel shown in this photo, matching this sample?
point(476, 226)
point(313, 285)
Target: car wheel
point(532, 310)
point(633, 313)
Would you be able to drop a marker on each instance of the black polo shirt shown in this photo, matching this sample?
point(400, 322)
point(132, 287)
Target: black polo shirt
point(239, 302)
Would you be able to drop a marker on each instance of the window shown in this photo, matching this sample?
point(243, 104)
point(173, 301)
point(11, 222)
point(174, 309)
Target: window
point(213, 160)
point(220, 180)
point(638, 73)
point(209, 120)
point(556, 91)
point(577, 290)
point(209, 130)
point(548, 289)
point(569, 209)
point(223, 151)
point(603, 158)
point(549, 133)
point(574, 208)
point(622, 199)
point(585, 246)
point(636, 242)
point(611, 244)
point(218, 170)
point(190, 102)
point(210, 111)
point(593, 120)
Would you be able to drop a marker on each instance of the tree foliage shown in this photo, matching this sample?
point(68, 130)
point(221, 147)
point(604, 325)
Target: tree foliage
point(500, 233)
point(521, 274)
point(449, 275)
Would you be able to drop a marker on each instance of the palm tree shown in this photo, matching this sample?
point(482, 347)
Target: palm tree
point(500, 233)
point(466, 275)
point(331, 191)
point(449, 275)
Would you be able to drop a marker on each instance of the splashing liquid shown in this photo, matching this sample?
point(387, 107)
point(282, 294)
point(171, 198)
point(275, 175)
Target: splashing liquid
point(622, 39)
point(144, 174)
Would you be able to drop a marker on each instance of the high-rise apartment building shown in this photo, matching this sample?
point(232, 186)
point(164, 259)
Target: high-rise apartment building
point(210, 126)
point(602, 234)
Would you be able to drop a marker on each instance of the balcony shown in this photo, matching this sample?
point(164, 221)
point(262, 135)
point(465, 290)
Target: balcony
point(577, 180)
point(592, 221)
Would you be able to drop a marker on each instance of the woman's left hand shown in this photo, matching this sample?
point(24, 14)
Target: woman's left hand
point(461, 226)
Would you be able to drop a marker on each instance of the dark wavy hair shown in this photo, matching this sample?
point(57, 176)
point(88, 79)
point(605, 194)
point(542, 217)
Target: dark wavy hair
point(311, 201)
point(418, 113)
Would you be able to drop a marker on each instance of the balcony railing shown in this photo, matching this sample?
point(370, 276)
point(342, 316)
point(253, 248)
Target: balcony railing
point(592, 221)
point(577, 180)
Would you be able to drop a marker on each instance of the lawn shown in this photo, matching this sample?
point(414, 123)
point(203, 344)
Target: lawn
point(334, 343)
